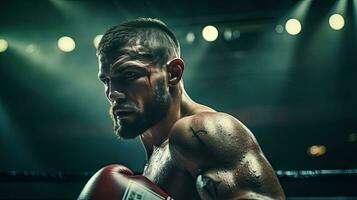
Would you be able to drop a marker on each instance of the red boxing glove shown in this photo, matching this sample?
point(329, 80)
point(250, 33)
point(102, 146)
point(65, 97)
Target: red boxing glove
point(115, 182)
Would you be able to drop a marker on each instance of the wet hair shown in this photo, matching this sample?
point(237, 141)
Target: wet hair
point(159, 43)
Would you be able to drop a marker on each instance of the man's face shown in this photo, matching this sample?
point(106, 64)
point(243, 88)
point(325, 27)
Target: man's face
point(136, 89)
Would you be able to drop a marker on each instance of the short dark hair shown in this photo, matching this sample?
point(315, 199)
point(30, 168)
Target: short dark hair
point(153, 34)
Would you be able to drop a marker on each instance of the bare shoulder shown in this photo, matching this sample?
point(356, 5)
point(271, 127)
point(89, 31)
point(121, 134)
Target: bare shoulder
point(224, 157)
point(212, 137)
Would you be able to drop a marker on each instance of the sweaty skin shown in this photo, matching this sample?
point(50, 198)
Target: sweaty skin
point(226, 160)
point(193, 151)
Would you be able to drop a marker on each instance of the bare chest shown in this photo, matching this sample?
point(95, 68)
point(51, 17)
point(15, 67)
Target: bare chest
point(159, 166)
point(164, 172)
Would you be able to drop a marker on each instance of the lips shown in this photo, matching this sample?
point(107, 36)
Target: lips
point(119, 114)
point(122, 111)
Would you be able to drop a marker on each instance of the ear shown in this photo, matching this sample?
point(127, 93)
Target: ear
point(175, 69)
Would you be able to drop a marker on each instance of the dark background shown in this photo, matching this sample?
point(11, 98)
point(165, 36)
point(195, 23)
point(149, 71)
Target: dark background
point(291, 91)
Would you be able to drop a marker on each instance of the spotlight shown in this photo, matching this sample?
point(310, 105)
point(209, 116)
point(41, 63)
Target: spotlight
point(190, 37)
point(210, 33)
point(279, 28)
point(293, 26)
point(96, 40)
point(3, 45)
point(336, 21)
point(228, 34)
point(316, 150)
point(236, 34)
point(66, 44)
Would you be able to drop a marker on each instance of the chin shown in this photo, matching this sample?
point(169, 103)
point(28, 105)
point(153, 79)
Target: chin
point(126, 130)
point(126, 134)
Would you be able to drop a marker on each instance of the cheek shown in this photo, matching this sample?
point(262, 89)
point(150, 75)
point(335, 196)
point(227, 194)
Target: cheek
point(140, 91)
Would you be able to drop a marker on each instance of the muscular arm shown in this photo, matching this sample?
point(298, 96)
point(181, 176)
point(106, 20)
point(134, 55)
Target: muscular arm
point(224, 158)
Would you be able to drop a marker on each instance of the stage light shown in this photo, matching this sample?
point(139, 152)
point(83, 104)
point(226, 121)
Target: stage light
point(316, 150)
point(279, 28)
point(228, 34)
point(210, 33)
point(96, 40)
point(336, 21)
point(293, 26)
point(190, 37)
point(236, 34)
point(3, 45)
point(66, 44)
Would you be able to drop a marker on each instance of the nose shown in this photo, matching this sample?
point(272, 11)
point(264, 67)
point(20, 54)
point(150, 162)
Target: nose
point(114, 94)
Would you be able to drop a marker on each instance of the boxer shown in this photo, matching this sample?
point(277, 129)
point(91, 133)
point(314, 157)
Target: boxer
point(193, 151)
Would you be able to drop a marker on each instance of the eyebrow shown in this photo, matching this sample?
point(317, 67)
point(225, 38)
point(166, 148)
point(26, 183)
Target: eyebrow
point(122, 67)
point(117, 66)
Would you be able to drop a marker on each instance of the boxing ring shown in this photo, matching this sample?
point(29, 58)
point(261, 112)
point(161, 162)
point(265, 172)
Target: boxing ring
point(332, 184)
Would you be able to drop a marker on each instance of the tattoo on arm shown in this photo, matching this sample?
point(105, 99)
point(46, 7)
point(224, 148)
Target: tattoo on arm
point(196, 134)
point(208, 186)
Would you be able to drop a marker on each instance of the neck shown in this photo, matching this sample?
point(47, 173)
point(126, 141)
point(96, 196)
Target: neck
point(181, 106)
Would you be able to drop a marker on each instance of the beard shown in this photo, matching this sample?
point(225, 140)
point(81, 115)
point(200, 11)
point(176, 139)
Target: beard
point(155, 109)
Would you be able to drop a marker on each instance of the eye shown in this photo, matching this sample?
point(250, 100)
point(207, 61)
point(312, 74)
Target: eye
point(130, 75)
